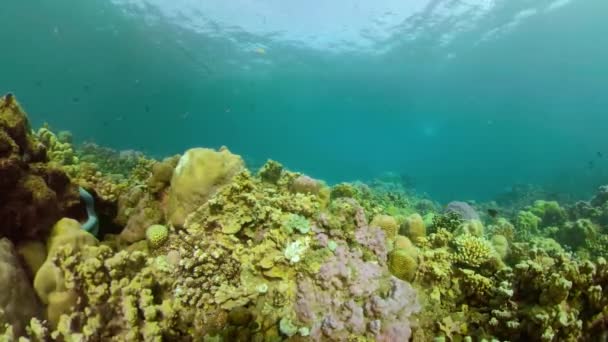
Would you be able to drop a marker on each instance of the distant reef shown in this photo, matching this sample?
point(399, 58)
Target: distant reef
point(197, 247)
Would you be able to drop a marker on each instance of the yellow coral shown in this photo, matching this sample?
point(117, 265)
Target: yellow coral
point(58, 151)
point(440, 238)
point(200, 173)
point(403, 264)
point(471, 250)
point(157, 235)
point(33, 253)
point(436, 267)
point(503, 227)
point(472, 227)
point(476, 284)
point(49, 282)
point(501, 245)
point(403, 242)
point(388, 224)
point(414, 227)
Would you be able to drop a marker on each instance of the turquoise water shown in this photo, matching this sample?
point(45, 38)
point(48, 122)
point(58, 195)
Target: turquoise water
point(465, 97)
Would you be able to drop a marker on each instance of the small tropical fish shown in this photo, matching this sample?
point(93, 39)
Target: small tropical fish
point(260, 51)
point(147, 108)
point(75, 99)
point(493, 212)
point(591, 164)
point(599, 154)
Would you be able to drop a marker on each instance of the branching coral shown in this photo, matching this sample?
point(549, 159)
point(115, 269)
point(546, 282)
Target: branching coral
point(472, 251)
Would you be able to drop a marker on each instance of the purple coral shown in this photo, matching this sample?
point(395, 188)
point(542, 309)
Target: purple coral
point(305, 184)
point(347, 296)
point(372, 238)
point(463, 209)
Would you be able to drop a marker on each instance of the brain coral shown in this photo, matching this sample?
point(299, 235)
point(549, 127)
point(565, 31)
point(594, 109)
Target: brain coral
point(402, 264)
point(388, 224)
point(157, 235)
point(414, 227)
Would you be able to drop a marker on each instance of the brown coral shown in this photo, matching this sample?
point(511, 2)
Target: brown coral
point(18, 302)
point(33, 195)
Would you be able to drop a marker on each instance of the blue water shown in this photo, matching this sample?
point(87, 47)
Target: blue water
point(465, 97)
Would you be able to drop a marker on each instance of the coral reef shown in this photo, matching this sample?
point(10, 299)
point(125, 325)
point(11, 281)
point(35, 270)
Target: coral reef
point(196, 248)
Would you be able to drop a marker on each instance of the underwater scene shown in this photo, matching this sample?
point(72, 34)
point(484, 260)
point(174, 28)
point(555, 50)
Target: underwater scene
point(273, 170)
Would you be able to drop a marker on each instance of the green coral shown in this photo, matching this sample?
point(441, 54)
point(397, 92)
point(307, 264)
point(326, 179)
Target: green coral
point(271, 171)
point(578, 234)
point(449, 221)
point(550, 213)
point(157, 235)
point(343, 190)
point(297, 223)
point(527, 223)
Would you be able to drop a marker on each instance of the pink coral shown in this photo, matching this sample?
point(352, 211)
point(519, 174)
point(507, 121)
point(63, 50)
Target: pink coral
point(305, 184)
point(372, 238)
point(346, 297)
